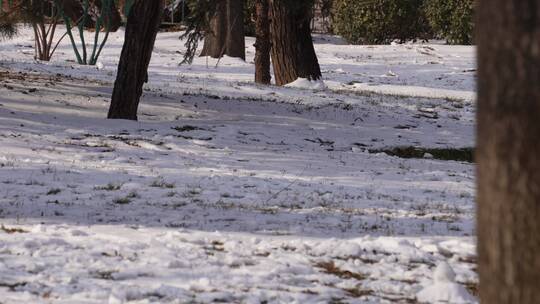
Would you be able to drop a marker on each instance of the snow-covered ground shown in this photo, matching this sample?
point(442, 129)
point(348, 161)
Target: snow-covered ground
point(227, 191)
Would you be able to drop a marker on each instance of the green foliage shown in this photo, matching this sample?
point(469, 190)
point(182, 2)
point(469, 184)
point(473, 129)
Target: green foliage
point(451, 19)
point(249, 17)
point(298, 5)
point(127, 7)
point(197, 24)
point(8, 26)
point(103, 21)
point(22, 12)
point(379, 21)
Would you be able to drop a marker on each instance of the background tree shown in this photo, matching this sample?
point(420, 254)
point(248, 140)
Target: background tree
point(262, 43)
point(293, 54)
point(508, 150)
point(32, 12)
point(141, 30)
point(226, 35)
point(8, 24)
point(197, 24)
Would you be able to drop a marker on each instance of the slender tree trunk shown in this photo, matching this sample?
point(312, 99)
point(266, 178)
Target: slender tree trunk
point(227, 35)
point(262, 43)
point(293, 54)
point(141, 30)
point(509, 150)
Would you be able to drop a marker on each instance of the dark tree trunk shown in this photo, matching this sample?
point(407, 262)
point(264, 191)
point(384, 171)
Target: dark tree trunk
point(293, 54)
point(141, 30)
point(509, 150)
point(236, 38)
point(227, 36)
point(214, 40)
point(262, 43)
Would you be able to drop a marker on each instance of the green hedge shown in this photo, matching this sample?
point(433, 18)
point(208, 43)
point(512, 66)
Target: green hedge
point(379, 21)
point(451, 19)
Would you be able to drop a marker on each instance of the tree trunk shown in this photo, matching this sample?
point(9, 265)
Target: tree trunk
point(227, 31)
point(262, 43)
point(236, 38)
point(141, 30)
point(214, 40)
point(293, 54)
point(509, 150)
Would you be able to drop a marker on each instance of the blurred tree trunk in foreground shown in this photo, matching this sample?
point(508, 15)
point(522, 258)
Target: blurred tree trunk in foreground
point(508, 154)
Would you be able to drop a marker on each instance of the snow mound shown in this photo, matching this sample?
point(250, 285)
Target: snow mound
point(444, 274)
point(444, 288)
point(304, 83)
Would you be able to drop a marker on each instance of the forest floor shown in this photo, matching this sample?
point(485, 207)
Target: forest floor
point(226, 191)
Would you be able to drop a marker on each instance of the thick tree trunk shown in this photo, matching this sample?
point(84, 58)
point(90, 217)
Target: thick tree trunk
point(214, 41)
point(509, 150)
point(293, 54)
point(141, 30)
point(262, 43)
point(227, 31)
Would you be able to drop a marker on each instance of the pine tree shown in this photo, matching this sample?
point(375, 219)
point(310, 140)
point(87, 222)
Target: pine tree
point(293, 54)
point(141, 30)
point(226, 35)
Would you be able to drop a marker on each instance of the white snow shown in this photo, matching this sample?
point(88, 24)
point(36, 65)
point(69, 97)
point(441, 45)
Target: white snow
point(229, 191)
point(303, 83)
point(444, 288)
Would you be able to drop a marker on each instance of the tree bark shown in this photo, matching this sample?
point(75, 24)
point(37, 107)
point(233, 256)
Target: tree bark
point(262, 43)
point(236, 38)
point(227, 35)
point(214, 40)
point(141, 30)
point(293, 54)
point(509, 150)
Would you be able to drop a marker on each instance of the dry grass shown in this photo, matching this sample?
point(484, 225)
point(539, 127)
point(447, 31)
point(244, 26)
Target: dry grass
point(331, 268)
point(12, 230)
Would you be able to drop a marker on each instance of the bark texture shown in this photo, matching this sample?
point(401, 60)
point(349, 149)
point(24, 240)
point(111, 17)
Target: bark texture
point(214, 41)
point(262, 43)
point(293, 54)
point(141, 30)
point(509, 150)
point(227, 35)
